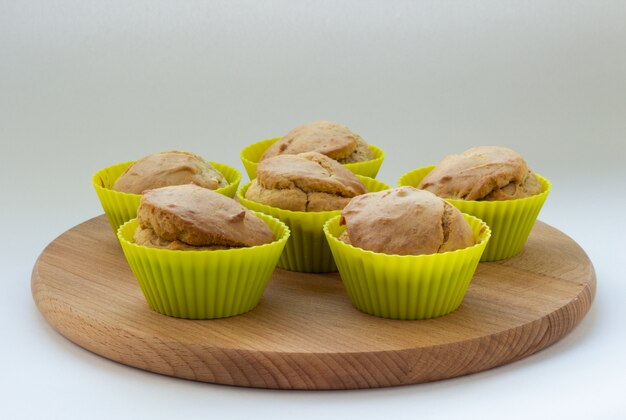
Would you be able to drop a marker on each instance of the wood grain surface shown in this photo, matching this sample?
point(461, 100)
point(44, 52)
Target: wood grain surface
point(305, 334)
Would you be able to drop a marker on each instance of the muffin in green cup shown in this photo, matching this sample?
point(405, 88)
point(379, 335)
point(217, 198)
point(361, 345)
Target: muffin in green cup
point(405, 253)
point(493, 184)
point(198, 254)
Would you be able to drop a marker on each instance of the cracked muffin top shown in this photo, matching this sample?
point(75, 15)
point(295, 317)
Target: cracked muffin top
point(404, 221)
point(168, 168)
point(192, 217)
point(304, 182)
point(326, 137)
point(482, 173)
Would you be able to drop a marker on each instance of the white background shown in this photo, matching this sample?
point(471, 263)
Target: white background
point(86, 84)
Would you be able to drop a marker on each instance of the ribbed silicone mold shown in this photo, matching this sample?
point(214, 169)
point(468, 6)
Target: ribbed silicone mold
point(120, 207)
point(251, 154)
point(203, 284)
point(510, 221)
point(307, 249)
point(406, 286)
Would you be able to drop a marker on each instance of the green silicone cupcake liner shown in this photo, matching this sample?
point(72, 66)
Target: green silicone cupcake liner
point(307, 250)
point(203, 284)
point(120, 207)
point(510, 221)
point(251, 154)
point(233, 178)
point(368, 168)
point(406, 286)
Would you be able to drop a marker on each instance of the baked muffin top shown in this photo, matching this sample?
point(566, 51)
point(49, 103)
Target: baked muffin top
point(482, 173)
point(168, 168)
point(304, 182)
point(326, 137)
point(405, 221)
point(198, 217)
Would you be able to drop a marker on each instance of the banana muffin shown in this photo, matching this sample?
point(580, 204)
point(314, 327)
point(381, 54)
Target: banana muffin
point(404, 221)
point(166, 169)
point(482, 173)
point(304, 182)
point(329, 138)
point(189, 217)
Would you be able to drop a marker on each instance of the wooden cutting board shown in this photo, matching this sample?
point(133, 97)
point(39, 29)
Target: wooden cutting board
point(305, 334)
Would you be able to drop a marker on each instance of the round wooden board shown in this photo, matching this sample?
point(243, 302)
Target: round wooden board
point(305, 334)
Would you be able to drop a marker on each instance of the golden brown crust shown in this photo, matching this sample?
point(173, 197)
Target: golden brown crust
point(200, 217)
point(168, 168)
point(405, 221)
point(482, 173)
point(326, 137)
point(304, 182)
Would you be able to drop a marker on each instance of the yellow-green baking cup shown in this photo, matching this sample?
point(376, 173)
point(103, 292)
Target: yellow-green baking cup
point(307, 250)
point(510, 221)
point(203, 284)
point(120, 207)
point(251, 154)
point(406, 286)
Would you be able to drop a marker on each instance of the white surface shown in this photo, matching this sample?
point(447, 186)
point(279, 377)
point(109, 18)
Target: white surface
point(86, 84)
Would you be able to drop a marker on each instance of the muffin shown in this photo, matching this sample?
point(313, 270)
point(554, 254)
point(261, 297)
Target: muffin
point(482, 173)
point(304, 182)
point(493, 184)
point(200, 255)
point(168, 168)
point(329, 138)
point(114, 184)
point(189, 217)
point(405, 253)
point(304, 191)
point(404, 221)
